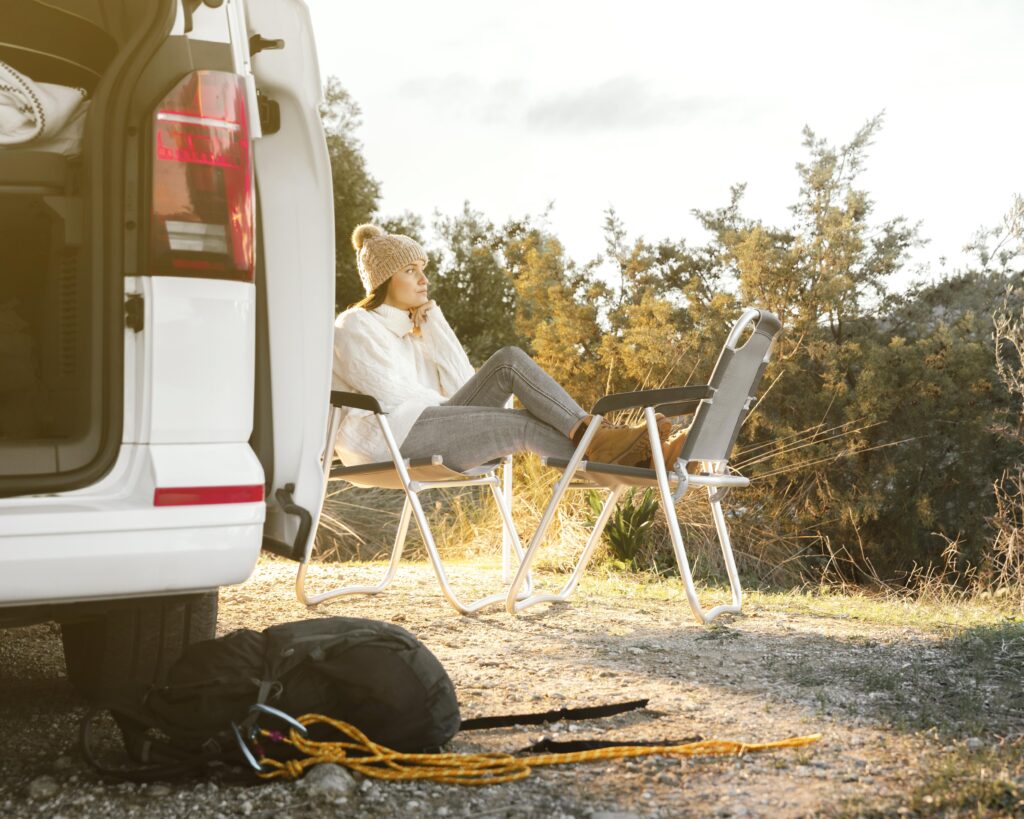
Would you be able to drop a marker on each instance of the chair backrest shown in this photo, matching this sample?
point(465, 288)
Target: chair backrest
point(735, 380)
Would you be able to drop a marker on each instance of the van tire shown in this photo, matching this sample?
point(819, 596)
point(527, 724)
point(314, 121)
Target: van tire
point(137, 642)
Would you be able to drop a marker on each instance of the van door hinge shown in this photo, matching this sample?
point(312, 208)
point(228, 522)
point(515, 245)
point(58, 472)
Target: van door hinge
point(134, 312)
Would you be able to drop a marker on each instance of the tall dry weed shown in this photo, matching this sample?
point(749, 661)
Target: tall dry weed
point(1006, 570)
point(359, 523)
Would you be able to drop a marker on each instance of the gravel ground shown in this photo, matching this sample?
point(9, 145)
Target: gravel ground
point(769, 674)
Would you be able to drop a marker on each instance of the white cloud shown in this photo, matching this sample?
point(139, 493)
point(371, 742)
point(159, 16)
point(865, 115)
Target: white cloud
point(462, 96)
point(621, 103)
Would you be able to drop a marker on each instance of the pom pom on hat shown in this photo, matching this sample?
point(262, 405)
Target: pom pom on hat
point(364, 232)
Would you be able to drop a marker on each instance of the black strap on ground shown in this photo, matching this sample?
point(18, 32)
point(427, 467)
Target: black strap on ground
point(593, 712)
point(553, 746)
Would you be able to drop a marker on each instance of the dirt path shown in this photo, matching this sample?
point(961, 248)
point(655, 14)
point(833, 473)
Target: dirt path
point(897, 704)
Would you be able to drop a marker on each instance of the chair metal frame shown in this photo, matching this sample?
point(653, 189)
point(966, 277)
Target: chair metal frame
point(709, 437)
point(415, 477)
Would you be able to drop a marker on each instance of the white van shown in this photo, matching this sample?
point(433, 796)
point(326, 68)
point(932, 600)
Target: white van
point(166, 316)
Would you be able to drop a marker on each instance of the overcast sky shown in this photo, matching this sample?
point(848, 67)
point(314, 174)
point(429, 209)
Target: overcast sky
point(657, 108)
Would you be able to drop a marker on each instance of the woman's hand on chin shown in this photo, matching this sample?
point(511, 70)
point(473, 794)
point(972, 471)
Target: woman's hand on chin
point(419, 314)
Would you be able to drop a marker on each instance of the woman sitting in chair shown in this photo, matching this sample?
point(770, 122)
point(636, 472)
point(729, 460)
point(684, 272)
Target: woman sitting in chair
point(396, 346)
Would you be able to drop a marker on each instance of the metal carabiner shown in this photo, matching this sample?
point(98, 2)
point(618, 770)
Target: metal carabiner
point(281, 715)
point(257, 709)
point(253, 762)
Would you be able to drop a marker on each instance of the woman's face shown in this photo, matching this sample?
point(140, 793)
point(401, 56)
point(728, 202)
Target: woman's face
point(408, 288)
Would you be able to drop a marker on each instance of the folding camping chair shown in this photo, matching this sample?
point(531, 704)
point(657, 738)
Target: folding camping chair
point(719, 410)
point(414, 476)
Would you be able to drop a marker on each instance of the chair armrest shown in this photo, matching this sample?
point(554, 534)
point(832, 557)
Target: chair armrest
point(676, 400)
point(356, 401)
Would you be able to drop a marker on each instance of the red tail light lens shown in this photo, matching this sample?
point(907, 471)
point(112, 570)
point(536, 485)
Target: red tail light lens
point(202, 495)
point(202, 215)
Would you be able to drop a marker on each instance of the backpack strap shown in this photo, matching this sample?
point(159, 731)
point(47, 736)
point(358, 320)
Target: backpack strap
point(150, 758)
point(592, 712)
point(554, 746)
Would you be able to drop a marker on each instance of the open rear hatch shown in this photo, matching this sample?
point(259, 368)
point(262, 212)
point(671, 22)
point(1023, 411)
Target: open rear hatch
point(62, 245)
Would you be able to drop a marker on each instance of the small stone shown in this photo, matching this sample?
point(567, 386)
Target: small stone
point(613, 814)
point(974, 744)
point(62, 763)
point(158, 790)
point(246, 807)
point(329, 780)
point(42, 787)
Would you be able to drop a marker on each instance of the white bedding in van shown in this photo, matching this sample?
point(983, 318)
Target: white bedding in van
point(38, 115)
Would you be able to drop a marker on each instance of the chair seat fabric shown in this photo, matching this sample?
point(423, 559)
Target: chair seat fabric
point(592, 473)
point(383, 475)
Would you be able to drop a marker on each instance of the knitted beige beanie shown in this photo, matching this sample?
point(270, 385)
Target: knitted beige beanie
point(380, 255)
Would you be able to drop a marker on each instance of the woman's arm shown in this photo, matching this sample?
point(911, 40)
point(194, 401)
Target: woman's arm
point(453, 366)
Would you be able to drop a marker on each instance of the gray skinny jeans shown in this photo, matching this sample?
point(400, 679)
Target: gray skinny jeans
point(473, 426)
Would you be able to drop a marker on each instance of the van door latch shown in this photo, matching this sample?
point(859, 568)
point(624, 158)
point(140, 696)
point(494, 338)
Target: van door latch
point(134, 312)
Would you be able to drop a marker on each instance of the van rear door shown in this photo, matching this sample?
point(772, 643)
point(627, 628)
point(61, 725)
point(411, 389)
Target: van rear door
point(294, 274)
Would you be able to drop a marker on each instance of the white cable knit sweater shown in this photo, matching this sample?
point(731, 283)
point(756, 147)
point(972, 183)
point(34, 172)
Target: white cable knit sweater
point(375, 353)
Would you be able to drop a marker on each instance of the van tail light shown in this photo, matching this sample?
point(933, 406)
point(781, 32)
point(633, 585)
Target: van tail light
point(202, 189)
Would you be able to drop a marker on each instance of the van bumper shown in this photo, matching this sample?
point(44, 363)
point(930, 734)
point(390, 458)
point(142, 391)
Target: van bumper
point(110, 540)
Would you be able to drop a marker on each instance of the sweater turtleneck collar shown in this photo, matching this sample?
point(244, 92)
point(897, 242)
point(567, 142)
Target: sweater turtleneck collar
point(395, 319)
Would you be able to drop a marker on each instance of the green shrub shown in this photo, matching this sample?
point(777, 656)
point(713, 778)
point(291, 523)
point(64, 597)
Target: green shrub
point(628, 528)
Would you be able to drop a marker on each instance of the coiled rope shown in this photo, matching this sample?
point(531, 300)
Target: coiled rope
point(367, 757)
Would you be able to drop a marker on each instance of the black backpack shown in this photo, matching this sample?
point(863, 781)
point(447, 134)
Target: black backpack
point(376, 676)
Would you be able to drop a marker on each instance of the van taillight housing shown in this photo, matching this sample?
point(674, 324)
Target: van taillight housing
point(202, 214)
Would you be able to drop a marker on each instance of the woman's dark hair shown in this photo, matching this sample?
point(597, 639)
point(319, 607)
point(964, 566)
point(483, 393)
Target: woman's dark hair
point(375, 299)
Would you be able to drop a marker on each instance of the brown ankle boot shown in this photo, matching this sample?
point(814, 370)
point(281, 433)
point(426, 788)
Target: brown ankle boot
point(626, 445)
point(670, 449)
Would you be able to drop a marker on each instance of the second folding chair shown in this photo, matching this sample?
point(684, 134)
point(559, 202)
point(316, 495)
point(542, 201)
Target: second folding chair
point(719, 409)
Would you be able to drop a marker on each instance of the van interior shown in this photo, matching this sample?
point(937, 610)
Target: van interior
point(50, 336)
point(44, 314)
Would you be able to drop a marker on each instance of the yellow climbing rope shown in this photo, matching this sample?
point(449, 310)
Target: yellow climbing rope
point(370, 759)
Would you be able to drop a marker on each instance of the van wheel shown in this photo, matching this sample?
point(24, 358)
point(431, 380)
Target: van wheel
point(137, 642)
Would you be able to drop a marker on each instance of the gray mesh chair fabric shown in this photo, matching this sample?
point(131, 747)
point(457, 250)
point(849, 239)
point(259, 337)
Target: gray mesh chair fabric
point(735, 380)
point(414, 476)
point(719, 409)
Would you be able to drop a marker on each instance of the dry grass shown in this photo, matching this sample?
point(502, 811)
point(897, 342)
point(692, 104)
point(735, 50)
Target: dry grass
point(361, 524)
point(1006, 569)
